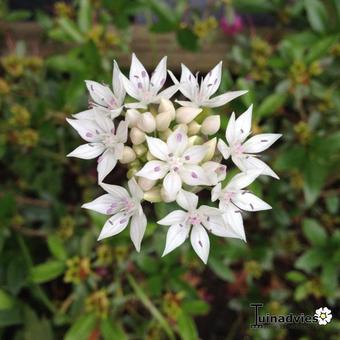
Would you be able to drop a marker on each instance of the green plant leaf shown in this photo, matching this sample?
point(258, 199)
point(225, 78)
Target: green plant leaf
point(270, 105)
point(84, 15)
point(187, 327)
point(70, 29)
point(295, 276)
point(220, 269)
point(6, 300)
point(314, 232)
point(196, 307)
point(187, 39)
point(316, 14)
point(82, 327)
point(309, 260)
point(56, 247)
point(330, 277)
point(320, 48)
point(110, 330)
point(47, 271)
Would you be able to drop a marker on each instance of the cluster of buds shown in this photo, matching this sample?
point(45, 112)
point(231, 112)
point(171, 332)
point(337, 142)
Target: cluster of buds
point(172, 154)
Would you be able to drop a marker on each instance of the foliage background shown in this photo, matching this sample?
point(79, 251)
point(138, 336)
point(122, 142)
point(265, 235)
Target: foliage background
point(57, 282)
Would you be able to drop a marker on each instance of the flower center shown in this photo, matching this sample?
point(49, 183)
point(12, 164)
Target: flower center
point(175, 162)
point(128, 205)
point(109, 140)
point(227, 197)
point(194, 218)
point(238, 149)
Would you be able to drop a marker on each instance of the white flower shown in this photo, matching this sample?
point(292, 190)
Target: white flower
point(200, 219)
point(102, 140)
point(145, 90)
point(177, 162)
point(324, 315)
point(103, 97)
point(241, 152)
point(123, 207)
point(216, 172)
point(233, 199)
point(199, 96)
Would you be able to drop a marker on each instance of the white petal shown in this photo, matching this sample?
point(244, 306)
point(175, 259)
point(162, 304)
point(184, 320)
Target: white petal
point(223, 149)
point(119, 193)
point(87, 129)
point(138, 75)
point(87, 151)
point(105, 204)
point(187, 200)
point(206, 210)
point(130, 88)
point(250, 162)
point(101, 94)
point(114, 225)
point(105, 123)
point(215, 192)
point(193, 175)
point(194, 154)
point(166, 94)
point(137, 228)
point(216, 172)
point(158, 148)
point(186, 103)
point(230, 133)
point(140, 105)
point(223, 99)
point(117, 84)
point(249, 202)
point(260, 142)
point(176, 235)
point(177, 141)
point(158, 77)
point(153, 170)
point(233, 218)
point(200, 242)
point(172, 184)
point(243, 125)
point(212, 81)
point(106, 164)
point(122, 131)
point(217, 226)
point(243, 179)
point(87, 114)
point(188, 83)
point(135, 190)
point(175, 217)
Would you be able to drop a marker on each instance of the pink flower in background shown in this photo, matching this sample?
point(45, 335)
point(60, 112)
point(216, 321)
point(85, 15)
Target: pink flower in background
point(231, 27)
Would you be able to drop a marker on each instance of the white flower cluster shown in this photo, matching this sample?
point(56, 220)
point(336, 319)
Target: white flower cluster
point(171, 154)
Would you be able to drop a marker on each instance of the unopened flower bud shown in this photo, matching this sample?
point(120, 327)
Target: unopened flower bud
point(132, 116)
point(211, 147)
point(163, 121)
point(147, 122)
point(153, 195)
point(128, 155)
point(137, 136)
point(149, 156)
point(184, 127)
point(140, 149)
point(211, 125)
point(187, 114)
point(165, 196)
point(167, 106)
point(165, 134)
point(195, 140)
point(193, 128)
point(146, 184)
point(131, 173)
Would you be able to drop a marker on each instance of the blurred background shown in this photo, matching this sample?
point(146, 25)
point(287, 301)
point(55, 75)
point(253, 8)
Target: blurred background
point(57, 281)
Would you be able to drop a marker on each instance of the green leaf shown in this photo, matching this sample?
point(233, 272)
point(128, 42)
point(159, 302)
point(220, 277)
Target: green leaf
point(70, 29)
point(46, 271)
point(314, 232)
point(220, 269)
point(316, 14)
point(270, 105)
point(187, 39)
point(110, 330)
point(163, 11)
point(16, 274)
point(6, 300)
point(295, 276)
point(332, 204)
point(196, 307)
point(320, 48)
point(19, 15)
point(10, 317)
point(84, 15)
point(56, 247)
point(187, 327)
point(300, 292)
point(82, 328)
point(309, 260)
point(329, 277)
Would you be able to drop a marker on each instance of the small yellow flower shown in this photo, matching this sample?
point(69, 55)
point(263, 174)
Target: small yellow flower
point(104, 255)
point(27, 138)
point(33, 63)
point(253, 269)
point(4, 86)
point(13, 65)
point(315, 69)
point(303, 132)
point(98, 302)
point(66, 227)
point(78, 269)
point(63, 9)
point(20, 116)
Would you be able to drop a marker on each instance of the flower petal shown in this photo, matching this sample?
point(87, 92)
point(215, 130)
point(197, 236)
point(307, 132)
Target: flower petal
point(153, 170)
point(243, 179)
point(114, 225)
point(215, 192)
point(200, 242)
point(172, 184)
point(188, 83)
point(87, 114)
point(175, 217)
point(216, 172)
point(177, 141)
point(138, 75)
point(193, 175)
point(158, 77)
point(106, 164)
point(118, 193)
point(158, 148)
point(117, 84)
point(250, 162)
point(223, 99)
point(105, 123)
point(211, 81)
point(187, 200)
point(87, 151)
point(137, 228)
point(87, 129)
point(231, 133)
point(195, 154)
point(166, 94)
point(135, 189)
point(243, 125)
point(130, 88)
point(101, 94)
point(122, 131)
point(260, 142)
point(223, 149)
point(234, 221)
point(105, 204)
point(249, 202)
point(176, 235)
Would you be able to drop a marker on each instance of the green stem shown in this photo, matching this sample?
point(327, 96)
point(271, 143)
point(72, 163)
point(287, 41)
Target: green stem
point(150, 306)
